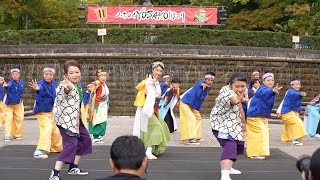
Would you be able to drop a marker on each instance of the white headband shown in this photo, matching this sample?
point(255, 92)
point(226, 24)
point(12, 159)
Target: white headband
point(294, 81)
point(157, 63)
point(166, 76)
point(255, 72)
point(209, 76)
point(50, 69)
point(267, 75)
point(15, 70)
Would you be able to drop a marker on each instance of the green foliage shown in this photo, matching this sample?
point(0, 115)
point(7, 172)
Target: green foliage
point(190, 36)
point(315, 24)
point(297, 17)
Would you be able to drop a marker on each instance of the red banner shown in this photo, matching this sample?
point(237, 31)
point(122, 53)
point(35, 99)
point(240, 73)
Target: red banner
point(152, 15)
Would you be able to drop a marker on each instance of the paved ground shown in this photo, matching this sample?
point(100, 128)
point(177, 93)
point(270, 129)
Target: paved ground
point(179, 161)
point(118, 126)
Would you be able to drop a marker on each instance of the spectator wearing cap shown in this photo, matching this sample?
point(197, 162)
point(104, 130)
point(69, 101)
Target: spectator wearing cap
point(14, 109)
point(50, 138)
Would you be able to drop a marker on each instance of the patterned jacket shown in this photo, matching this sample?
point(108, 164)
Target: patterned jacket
point(66, 108)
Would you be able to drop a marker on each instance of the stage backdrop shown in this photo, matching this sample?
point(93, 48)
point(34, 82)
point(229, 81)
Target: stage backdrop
point(152, 15)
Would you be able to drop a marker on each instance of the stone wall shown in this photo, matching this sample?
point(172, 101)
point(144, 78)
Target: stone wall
point(128, 65)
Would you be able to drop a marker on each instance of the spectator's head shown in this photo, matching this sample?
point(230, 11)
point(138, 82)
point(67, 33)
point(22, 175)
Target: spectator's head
point(128, 155)
point(309, 166)
point(209, 78)
point(315, 165)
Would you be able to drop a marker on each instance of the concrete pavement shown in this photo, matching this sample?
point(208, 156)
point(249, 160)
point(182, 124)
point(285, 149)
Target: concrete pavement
point(122, 125)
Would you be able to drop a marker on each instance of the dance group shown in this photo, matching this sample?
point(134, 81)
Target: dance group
point(67, 116)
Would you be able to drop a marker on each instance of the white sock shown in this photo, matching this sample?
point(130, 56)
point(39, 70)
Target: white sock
point(234, 171)
point(149, 153)
point(225, 174)
point(149, 150)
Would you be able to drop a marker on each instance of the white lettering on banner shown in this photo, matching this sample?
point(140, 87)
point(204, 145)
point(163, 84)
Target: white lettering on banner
point(144, 14)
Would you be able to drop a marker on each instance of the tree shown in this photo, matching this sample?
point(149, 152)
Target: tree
point(10, 11)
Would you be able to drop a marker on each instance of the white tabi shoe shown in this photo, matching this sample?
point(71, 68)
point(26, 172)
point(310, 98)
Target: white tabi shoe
point(234, 171)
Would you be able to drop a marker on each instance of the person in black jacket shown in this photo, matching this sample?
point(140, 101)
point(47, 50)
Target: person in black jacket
point(127, 159)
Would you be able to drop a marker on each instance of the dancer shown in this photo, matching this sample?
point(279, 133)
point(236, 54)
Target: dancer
point(254, 75)
point(254, 84)
point(191, 102)
point(14, 109)
point(288, 110)
point(148, 125)
point(165, 83)
point(259, 109)
point(98, 107)
point(75, 137)
point(168, 102)
point(85, 107)
point(312, 117)
point(228, 123)
point(50, 138)
point(2, 92)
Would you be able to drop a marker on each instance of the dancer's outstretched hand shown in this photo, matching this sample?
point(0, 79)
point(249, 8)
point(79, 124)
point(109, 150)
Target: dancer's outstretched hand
point(33, 84)
point(277, 89)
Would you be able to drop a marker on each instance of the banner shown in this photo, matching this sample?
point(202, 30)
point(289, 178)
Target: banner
point(152, 15)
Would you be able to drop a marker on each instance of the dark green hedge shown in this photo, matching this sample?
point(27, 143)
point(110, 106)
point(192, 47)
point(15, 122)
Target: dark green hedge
point(189, 36)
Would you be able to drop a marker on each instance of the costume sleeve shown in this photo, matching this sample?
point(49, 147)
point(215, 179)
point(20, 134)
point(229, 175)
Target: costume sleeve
point(266, 93)
point(148, 107)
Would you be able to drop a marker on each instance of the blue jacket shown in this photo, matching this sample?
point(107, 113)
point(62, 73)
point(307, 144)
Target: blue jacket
point(1, 93)
point(195, 96)
point(45, 96)
point(291, 102)
point(262, 102)
point(164, 88)
point(14, 92)
point(86, 98)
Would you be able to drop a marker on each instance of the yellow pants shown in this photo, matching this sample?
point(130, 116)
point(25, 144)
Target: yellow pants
point(50, 139)
point(190, 122)
point(293, 127)
point(14, 119)
point(257, 137)
point(2, 115)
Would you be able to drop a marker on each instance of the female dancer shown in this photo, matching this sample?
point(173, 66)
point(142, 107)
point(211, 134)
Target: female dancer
point(148, 125)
